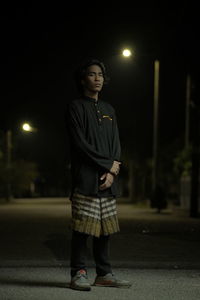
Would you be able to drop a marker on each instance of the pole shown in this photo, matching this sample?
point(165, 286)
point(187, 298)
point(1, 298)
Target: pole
point(131, 181)
point(195, 172)
point(8, 162)
point(187, 112)
point(155, 122)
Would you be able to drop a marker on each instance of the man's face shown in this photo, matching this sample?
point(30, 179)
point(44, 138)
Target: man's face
point(93, 80)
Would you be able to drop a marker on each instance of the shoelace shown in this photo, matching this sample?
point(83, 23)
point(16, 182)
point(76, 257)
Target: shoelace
point(82, 274)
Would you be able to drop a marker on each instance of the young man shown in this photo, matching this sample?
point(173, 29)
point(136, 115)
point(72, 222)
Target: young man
point(95, 164)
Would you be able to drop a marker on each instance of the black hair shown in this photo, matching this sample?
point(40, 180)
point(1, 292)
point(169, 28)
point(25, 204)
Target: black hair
point(80, 72)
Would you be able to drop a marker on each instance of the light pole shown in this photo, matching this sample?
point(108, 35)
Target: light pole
point(187, 112)
point(8, 163)
point(25, 127)
point(155, 123)
point(127, 53)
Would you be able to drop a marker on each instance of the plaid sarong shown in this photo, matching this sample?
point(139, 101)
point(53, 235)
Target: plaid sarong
point(94, 216)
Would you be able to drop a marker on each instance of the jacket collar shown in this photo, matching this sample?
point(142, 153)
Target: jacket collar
point(90, 99)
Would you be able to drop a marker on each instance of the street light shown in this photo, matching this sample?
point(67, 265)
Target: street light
point(8, 161)
point(25, 127)
point(155, 121)
point(127, 53)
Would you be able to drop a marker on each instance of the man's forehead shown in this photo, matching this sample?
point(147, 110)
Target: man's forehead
point(94, 68)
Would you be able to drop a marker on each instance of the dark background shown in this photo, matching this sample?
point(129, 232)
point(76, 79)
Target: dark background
point(42, 43)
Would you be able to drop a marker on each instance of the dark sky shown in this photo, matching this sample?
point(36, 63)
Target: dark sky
point(42, 43)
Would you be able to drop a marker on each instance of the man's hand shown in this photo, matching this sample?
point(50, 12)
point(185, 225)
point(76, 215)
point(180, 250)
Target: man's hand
point(108, 182)
point(115, 167)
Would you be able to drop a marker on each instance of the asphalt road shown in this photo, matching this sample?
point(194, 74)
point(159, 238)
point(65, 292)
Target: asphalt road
point(160, 254)
point(53, 283)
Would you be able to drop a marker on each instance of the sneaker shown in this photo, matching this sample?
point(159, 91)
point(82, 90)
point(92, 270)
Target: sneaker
point(80, 281)
point(110, 280)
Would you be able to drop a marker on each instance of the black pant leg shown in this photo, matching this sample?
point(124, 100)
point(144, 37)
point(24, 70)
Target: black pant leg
point(78, 251)
point(101, 251)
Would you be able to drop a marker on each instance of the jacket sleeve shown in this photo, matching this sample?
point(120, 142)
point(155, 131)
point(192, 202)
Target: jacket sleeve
point(75, 129)
point(116, 139)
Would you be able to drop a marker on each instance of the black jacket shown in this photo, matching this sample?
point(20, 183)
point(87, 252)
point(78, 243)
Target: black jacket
point(95, 144)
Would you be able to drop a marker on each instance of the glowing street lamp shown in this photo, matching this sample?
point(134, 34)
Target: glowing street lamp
point(126, 53)
point(27, 127)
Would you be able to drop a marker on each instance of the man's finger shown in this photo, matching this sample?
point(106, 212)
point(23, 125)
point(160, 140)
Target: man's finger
point(102, 186)
point(103, 176)
point(105, 185)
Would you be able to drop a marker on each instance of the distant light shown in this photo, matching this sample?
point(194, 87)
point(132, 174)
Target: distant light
point(26, 127)
point(126, 52)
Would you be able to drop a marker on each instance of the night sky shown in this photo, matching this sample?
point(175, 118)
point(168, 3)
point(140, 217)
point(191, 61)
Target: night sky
point(42, 43)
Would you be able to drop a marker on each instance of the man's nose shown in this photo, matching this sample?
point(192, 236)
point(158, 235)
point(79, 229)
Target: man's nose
point(97, 77)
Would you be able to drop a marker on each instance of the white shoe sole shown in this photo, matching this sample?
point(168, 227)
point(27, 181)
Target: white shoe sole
point(80, 288)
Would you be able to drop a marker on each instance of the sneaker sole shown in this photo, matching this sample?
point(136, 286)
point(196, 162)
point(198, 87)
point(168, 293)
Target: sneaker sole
point(112, 285)
point(79, 288)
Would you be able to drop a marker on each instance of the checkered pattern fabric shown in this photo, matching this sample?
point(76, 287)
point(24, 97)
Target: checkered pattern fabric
point(94, 216)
